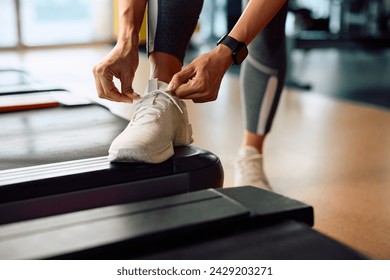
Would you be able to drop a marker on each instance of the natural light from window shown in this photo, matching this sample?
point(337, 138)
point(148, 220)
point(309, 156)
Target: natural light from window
point(56, 22)
point(8, 26)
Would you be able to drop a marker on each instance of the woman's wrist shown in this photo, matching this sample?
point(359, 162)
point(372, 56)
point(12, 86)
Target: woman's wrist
point(128, 40)
point(225, 55)
point(128, 34)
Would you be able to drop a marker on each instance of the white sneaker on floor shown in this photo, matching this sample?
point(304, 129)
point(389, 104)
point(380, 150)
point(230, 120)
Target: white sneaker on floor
point(248, 169)
point(159, 122)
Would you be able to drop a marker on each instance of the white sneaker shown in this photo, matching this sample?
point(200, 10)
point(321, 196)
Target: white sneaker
point(159, 122)
point(248, 169)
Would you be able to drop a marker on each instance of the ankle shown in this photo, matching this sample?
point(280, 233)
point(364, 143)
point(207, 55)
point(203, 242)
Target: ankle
point(254, 140)
point(163, 66)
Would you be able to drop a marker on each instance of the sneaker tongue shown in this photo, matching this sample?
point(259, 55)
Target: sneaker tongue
point(154, 84)
point(149, 100)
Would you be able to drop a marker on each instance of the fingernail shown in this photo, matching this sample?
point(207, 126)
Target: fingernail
point(134, 95)
point(169, 87)
point(131, 97)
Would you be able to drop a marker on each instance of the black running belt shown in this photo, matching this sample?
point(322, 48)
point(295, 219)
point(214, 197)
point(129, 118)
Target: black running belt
point(50, 189)
point(44, 136)
point(131, 230)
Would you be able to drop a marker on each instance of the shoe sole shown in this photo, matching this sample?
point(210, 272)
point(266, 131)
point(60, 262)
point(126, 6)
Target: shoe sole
point(143, 155)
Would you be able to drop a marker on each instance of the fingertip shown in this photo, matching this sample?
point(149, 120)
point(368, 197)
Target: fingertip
point(132, 95)
point(177, 80)
point(170, 86)
point(125, 99)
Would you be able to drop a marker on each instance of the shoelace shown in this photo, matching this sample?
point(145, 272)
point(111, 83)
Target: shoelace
point(148, 111)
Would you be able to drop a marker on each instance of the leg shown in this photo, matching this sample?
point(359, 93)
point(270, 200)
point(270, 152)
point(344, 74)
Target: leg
point(262, 81)
point(170, 28)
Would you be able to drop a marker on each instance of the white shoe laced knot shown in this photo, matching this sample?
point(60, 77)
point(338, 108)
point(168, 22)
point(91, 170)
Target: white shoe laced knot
point(150, 107)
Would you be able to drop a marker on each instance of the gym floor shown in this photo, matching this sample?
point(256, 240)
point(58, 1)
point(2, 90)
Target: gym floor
point(327, 149)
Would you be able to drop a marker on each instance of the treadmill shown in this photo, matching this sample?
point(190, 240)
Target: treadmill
point(54, 159)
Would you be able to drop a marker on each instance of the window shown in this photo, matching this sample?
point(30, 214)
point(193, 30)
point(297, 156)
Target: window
point(8, 24)
point(55, 22)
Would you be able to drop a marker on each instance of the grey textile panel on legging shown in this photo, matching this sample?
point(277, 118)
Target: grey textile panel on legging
point(263, 73)
point(171, 24)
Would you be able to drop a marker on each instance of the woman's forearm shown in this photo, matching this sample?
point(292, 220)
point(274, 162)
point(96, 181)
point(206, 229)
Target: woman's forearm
point(131, 14)
point(255, 17)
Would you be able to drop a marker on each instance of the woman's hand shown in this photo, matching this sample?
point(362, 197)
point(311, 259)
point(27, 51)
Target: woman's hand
point(201, 79)
point(121, 62)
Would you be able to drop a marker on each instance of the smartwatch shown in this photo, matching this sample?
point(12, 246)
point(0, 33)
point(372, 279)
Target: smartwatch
point(239, 49)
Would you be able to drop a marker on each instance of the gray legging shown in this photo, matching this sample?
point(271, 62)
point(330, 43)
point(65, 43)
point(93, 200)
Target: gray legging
point(263, 73)
point(170, 27)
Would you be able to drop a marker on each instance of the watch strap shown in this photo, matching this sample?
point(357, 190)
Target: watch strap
point(239, 49)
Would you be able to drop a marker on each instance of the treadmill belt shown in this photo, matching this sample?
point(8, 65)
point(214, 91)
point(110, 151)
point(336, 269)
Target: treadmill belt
point(45, 136)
